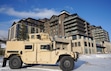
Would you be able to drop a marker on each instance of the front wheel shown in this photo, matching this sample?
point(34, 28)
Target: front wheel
point(15, 62)
point(67, 63)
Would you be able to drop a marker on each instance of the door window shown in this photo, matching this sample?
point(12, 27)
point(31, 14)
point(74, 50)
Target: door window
point(46, 47)
point(28, 46)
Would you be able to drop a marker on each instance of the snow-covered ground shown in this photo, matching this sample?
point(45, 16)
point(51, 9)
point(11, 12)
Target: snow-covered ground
point(95, 62)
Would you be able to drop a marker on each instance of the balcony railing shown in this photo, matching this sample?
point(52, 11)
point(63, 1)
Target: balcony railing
point(71, 25)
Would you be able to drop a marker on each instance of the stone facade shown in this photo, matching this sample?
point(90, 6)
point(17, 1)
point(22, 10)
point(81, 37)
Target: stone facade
point(83, 44)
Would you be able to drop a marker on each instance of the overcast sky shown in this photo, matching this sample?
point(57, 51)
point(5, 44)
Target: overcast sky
point(96, 12)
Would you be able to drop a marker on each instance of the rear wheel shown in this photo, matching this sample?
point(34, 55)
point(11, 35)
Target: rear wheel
point(67, 63)
point(15, 62)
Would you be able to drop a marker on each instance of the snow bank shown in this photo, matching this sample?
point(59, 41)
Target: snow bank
point(103, 55)
point(94, 56)
point(93, 62)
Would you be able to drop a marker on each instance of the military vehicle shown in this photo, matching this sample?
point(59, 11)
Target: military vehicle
point(40, 48)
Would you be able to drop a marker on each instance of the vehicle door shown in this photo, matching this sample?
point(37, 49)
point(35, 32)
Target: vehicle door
point(44, 54)
point(29, 53)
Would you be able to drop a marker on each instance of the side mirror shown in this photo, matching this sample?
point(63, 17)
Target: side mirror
point(57, 48)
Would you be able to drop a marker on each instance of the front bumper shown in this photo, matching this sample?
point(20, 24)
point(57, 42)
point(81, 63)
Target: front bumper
point(4, 62)
point(76, 54)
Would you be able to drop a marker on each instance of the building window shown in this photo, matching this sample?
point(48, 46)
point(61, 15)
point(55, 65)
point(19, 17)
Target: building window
point(80, 37)
point(85, 37)
point(75, 44)
point(85, 43)
point(32, 30)
point(93, 51)
point(41, 30)
point(74, 37)
point(79, 44)
point(32, 36)
point(17, 30)
point(89, 44)
point(86, 51)
point(12, 32)
point(72, 44)
point(92, 45)
point(26, 29)
point(90, 51)
point(36, 30)
point(56, 33)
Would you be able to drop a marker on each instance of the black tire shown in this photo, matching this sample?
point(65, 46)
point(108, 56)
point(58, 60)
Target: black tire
point(15, 62)
point(67, 63)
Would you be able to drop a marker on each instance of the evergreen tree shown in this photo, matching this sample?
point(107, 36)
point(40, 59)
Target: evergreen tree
point(23, 34)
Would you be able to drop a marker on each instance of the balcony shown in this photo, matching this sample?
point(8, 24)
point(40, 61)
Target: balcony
point(71, 25)
point(70, 29)
point(74, 33)
point(70, 22)
point(79, 21)
point(74, 28)
point(69, 18)
point(76, 22)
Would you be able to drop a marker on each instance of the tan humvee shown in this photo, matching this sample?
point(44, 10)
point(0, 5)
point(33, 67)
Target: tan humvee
point(40, 49)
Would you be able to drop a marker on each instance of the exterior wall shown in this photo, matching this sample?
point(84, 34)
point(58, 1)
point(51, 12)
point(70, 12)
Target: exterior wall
point(62, 16)
point(87, 29)
point(107, 46)
point(56, 24)
point(67, 25)
point(47, 27)
point(104, 47)
point(12, 32)
point(32, 26)
point(83, 45)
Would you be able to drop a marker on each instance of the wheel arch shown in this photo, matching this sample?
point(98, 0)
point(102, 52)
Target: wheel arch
point(13, 55)
point(61, 56)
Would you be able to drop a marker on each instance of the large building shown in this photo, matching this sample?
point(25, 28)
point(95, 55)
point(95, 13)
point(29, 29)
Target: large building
point(67, 24)
point(85, 37)
point(72, 27)
point(30, 26)
point(99, 34)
